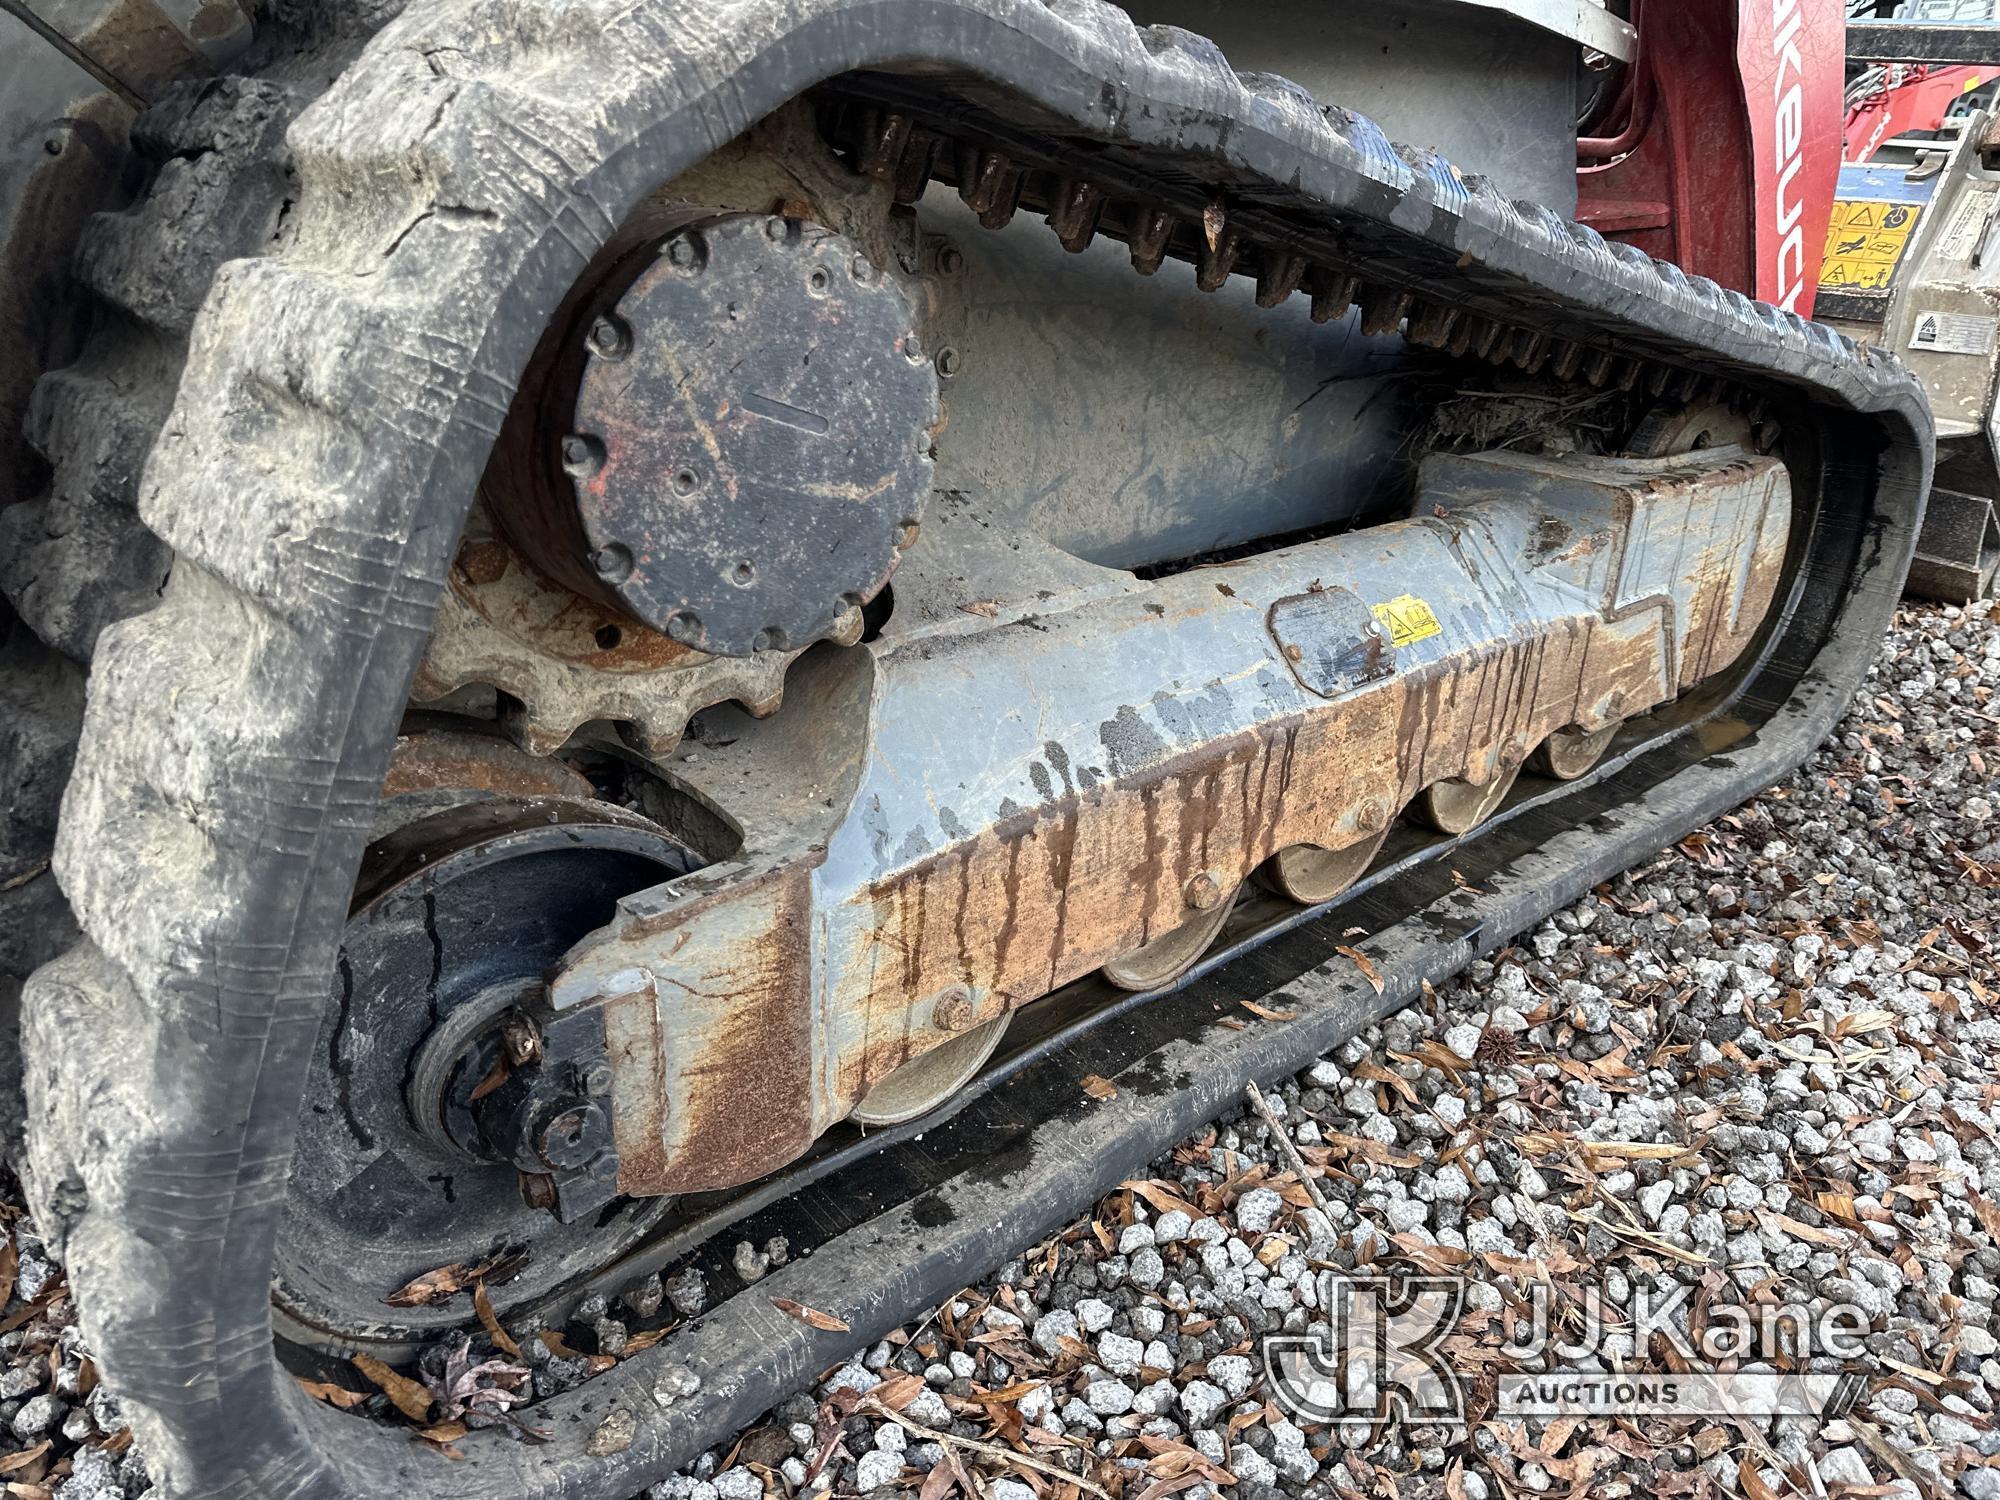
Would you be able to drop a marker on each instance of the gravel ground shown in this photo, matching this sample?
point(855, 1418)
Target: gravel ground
point(1760, 1067)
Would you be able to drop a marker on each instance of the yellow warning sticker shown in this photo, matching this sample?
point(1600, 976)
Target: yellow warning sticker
point(1408, 620)
point(1864, 241)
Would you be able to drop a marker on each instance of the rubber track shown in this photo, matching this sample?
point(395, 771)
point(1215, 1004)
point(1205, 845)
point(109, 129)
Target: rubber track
point(77, 555)
point(338, 402)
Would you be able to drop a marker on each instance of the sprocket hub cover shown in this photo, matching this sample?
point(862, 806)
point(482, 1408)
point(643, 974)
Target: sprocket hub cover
point(750, 446)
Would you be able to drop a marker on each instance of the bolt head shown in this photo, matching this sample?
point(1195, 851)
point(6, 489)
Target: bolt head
point(609, 339)
point(1204, 891)
point(597, 1078)
point(582, 455)
point(613, 562)
point(954, 1009)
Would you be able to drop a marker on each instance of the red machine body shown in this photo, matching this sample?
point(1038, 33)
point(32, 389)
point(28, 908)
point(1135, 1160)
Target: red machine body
point(1721, 150)
point(1917, 100)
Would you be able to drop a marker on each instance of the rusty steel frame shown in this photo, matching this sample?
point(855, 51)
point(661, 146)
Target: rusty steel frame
point(1000, 812)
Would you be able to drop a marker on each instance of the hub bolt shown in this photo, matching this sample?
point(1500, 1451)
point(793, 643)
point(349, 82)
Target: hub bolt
point(597, 1079)
point(954, 1010)
point(1204, 891)
point(582, 455)
point(613, 562)
point(609, 338)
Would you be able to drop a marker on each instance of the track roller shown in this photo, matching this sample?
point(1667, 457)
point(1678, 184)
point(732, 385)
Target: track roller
point(1572, 752)
point(1457, 807)
point(1157, 964)
point(1310, 875)
point(925, 1082)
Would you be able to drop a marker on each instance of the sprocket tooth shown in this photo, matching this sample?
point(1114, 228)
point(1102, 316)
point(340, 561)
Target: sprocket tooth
point(1152, 231)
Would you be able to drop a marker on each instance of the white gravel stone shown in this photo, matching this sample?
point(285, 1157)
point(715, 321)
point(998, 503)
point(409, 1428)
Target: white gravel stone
point(1120, 1355)
point(1052, 1327)
point(1464, 1040)
point(1201, 1401)
point(1135, 1237)
point(1108, 1398)
point(1258, 1210)
point(874, 1469)
point(1234, 1373)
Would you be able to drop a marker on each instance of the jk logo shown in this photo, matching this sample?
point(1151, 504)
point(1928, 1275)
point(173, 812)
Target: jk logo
point(1378, 1356)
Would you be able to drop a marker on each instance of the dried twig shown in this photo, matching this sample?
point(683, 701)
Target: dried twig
point(991, 1450)
point(1284, 1139)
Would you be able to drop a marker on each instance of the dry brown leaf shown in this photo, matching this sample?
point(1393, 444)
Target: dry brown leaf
point(939, 1482)
point(443, 1439)
point(1370, 1150)
point(483, 1305)
point(1007, 1395)
point(1374, 1072)
point(1361, 961)
point(640, 1342)
point(442, 1284)
point(1099, 1088)
point(1265, 1013)
point(1162, 1196)
point(1988, 1214)
point(496, 1075)
point(1635, 1150)
point(408, 1396)
point(21, 1317)
point(1915, 1372)
point(331, 1394)
point(1799, 1231)
point(14, 1462)
point(1753, 1482)
point(984, 608)
point(812, 1317)
point(899, 1390)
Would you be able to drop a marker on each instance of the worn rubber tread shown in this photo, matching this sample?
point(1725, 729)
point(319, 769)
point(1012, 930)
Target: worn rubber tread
point(78, 557)
point(451, 184)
